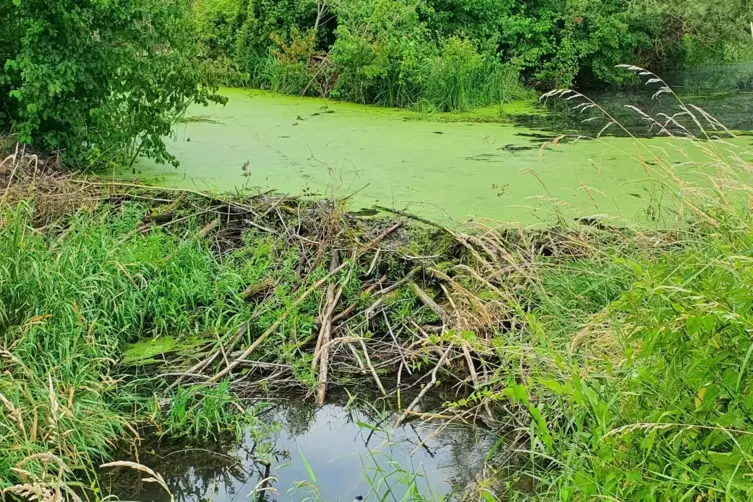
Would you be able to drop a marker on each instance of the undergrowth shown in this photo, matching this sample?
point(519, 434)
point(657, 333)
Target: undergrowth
point(69, 303)
point(633, 365)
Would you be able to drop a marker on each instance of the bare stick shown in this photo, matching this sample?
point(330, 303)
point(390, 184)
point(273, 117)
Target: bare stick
point(352, 306)
point(326, 315)
point(373, 262)
point(276, 324)
point(399, 283)
point(357, 357)
point(427, 300)
point(209, 360)
point(412, 216)
point(399, 348)
point(471, 366)
point(369, 312)
point(208, 228)
point(371, 368)
point(426, 388)
point(325, 333)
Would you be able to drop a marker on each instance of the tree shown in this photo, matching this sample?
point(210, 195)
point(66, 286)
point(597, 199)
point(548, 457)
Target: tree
point(102, 81)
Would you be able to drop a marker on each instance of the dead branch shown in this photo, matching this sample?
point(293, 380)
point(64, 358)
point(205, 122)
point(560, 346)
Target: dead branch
point(426, 388)
point(399, 348)
point(412, 216)
point(399, 283)
point(371, 368)
point(430, 303)
point(325, 333)
point(208, 228)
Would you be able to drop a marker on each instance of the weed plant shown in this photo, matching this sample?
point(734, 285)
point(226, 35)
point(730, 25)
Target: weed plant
point(69, 303)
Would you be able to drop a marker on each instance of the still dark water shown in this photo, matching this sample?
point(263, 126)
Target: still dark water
point(350, 451)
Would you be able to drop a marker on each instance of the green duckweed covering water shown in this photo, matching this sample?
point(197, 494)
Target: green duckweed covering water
point(448, 166)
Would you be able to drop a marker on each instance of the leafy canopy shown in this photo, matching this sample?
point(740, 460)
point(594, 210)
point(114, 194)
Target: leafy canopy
point(100, 80)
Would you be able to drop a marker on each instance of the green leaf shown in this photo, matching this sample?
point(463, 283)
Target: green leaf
point(306, 464)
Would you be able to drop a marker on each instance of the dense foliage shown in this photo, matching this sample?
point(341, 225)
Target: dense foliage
point(102, 81)
point(451, 54)
point(67, 306)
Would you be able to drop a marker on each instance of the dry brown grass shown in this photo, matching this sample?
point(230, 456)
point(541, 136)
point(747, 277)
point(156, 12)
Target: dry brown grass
point(40, 181)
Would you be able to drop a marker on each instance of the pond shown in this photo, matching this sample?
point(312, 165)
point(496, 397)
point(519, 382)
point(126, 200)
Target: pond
point(484, 164)
point(340, 451)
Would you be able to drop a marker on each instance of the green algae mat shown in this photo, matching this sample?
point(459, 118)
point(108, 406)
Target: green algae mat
point(475, 165)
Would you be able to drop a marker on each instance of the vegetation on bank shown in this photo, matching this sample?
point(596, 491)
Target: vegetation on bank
point(454, 54)
point(100, 82)
point(104, 82)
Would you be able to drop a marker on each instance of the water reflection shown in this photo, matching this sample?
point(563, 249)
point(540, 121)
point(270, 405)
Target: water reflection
point(350, 452)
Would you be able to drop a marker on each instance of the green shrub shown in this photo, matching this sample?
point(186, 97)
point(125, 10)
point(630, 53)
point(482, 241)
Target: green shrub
point(379, 49)
point(103, 82)
point(460, 78)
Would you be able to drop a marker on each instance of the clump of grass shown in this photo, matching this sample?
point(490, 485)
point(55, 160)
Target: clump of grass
point(632, 364)
point(207, 412)
point(459, 78)
point(69, 301)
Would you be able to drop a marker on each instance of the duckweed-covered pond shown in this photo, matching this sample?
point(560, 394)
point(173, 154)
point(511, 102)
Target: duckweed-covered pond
point(490, 163)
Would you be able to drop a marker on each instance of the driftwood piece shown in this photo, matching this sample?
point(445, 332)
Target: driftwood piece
point(430, 303)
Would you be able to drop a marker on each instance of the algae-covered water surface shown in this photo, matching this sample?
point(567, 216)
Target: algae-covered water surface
point(493, 164)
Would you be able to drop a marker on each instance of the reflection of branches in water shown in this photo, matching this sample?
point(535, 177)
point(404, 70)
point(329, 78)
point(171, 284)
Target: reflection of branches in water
point(297, 417)
point(233, 469)
point(190, 473)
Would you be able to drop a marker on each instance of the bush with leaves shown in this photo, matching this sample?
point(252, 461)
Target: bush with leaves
point(380, 45)
point(101, 81)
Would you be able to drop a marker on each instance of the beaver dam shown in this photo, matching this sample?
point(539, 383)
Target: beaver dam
point(168, 343)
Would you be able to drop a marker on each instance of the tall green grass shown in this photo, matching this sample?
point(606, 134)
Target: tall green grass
point(70, 301)
point(459, 79)
point(453, 77)
point(632, 362)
